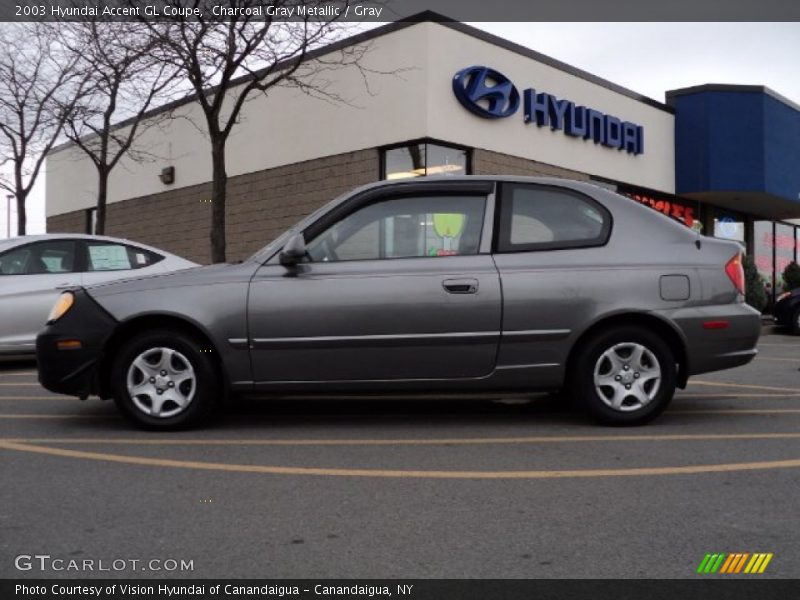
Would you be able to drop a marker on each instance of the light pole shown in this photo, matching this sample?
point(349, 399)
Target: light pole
point(9, 198)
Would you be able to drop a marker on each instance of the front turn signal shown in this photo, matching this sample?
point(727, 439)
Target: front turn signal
point(61, 307)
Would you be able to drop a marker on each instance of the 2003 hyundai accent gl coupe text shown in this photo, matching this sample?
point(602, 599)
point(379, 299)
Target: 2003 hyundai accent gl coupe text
point(457, 284)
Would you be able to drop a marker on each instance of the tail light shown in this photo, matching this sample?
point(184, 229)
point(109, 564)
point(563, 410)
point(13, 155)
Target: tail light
point(735, 272)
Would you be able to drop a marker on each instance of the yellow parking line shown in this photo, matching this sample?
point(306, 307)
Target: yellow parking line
point(399, 473)
point(690, 395)
point(21, 384)
point(21, 416)
point(794, 360)
point(743, 386)
point(410, 441)
point(54, 397)
point(736, 411)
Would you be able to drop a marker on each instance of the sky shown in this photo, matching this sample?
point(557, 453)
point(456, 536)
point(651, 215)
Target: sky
point(651, 58)
point(648, 58)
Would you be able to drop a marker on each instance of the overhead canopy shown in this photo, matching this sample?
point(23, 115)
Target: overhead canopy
point(738, 147)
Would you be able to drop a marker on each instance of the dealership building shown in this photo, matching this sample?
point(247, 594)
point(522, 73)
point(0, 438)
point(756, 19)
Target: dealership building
point(444, 98)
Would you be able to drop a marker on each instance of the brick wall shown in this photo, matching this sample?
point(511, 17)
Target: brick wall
point(485, 162)
point(74, 222)
point(260, 206)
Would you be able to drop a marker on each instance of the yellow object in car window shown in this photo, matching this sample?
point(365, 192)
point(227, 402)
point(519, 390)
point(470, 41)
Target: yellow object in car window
point(448, 225)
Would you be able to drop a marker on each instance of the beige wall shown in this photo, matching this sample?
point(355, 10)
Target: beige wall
point(450, 51)
point(416, 100)
point(285, 127)
point(260, 206)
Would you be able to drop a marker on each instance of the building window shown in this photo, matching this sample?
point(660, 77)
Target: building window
point(729, 226)
point(784, 252)
point(416, 159)
point(797, 244)
point(762, 253)
point(686, 212)
point(91, 221)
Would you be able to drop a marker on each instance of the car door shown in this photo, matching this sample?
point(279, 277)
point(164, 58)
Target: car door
point(30, 278)
point(397, 286)
point(548, 252)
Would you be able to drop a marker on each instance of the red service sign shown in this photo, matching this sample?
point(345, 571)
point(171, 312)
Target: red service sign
point(680, 212)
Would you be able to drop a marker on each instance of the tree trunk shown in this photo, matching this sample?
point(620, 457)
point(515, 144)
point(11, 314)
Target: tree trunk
point(22, 218)
point(102, 196)
point(218, 187)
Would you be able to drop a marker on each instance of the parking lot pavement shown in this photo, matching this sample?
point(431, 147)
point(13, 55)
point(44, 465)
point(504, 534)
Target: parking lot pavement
point(409, 487)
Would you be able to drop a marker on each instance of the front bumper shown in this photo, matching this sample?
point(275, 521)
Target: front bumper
point(73, 371)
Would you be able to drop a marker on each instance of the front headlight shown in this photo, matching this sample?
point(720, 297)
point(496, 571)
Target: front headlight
point(62, 305)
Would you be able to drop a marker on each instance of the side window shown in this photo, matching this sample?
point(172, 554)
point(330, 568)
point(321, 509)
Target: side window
point(110, 256)
point(547, 218)
point(406, 227)
point(57, 256)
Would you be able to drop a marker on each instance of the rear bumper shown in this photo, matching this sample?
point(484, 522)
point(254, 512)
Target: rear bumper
point(718, 337)
point(74, 371)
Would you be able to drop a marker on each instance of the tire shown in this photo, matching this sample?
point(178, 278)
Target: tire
point(624, 376)
point(170, 361)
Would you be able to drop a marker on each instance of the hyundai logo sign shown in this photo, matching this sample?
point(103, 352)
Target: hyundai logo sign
point(490, 94)
point(486, 92)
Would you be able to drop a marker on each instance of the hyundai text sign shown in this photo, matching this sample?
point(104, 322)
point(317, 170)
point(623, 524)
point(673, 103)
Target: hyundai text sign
point(491, 95)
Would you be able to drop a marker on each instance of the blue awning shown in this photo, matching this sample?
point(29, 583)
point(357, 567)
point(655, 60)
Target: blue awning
point(738, 147)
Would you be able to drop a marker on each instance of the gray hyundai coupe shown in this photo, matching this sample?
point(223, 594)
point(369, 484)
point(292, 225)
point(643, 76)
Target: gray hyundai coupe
point(452, 284)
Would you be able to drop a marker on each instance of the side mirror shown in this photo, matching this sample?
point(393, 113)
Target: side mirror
point(294, 251)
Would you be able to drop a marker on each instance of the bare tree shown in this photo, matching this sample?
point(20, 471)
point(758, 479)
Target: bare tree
point(38, 90)
point(229, 59)
point(125, 81)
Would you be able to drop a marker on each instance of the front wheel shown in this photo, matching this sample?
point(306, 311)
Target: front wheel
point(624, 376)
point(163, 380)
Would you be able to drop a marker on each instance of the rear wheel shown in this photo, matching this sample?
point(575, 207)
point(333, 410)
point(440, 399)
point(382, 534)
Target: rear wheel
point(162, 380)
point(796, 321)
point(624, 376)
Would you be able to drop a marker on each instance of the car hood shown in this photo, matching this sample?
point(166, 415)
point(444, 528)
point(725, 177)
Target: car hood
point(196, 276)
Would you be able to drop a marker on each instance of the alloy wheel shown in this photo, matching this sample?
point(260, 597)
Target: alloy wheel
point(161, 382)
point(627, 376)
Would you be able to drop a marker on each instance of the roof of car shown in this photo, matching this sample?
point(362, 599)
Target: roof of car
point(586, 186)
point(27, 239)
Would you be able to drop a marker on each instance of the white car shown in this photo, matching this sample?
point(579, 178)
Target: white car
point(34, 268)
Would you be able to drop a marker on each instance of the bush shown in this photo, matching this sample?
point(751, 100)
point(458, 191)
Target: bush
point(791, 276)
point(755, 294)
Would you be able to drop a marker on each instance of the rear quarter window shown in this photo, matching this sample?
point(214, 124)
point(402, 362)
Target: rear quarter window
point(534, 217)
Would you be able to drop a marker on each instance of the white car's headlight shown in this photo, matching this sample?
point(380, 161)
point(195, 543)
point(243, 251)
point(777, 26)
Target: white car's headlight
point(61, 307)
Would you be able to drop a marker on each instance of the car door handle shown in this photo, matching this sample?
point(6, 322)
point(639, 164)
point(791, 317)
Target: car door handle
point(460, 286)
point(63, 286)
